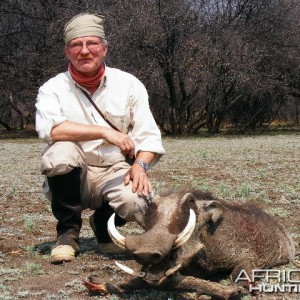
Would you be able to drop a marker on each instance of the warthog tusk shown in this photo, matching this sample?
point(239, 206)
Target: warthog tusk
point(172, 270)
point(182, 237)
point(115, 235)
point(187, 231)
point(130, 271)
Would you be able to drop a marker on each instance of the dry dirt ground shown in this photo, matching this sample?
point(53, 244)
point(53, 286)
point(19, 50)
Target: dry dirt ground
point(263, 169)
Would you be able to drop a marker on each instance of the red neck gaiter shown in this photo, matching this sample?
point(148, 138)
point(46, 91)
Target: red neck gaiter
point(87, 82)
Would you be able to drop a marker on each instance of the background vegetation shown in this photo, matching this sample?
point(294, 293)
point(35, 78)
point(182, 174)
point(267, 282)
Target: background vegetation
point(206, 63)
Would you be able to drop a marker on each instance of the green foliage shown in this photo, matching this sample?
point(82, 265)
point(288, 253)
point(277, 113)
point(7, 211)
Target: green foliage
point(280, 212)
point(23, 294)
point(33, 268)
point(264, 197)
point(29, 223)
point(226, 282)
point(76, 285)
point(31, 250)
point(243, 191)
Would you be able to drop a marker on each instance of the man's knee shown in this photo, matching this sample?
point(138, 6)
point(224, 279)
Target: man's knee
point(61, 158)
point(129, 205)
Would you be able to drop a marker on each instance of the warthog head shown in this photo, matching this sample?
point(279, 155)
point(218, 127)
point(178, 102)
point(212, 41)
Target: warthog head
point(169, 223)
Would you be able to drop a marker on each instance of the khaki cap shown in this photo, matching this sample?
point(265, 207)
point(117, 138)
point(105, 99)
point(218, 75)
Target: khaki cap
point(84, 25)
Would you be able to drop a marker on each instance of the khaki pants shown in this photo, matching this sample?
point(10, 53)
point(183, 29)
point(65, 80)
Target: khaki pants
point(99, 184)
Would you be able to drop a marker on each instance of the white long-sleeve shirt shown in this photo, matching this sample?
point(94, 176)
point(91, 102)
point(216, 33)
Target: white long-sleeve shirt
point(121, 97)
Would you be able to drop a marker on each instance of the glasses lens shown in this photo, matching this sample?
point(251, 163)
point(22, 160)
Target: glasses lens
point(91, 45)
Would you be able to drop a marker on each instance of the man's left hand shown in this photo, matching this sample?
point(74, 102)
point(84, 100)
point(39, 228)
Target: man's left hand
point(140, 181)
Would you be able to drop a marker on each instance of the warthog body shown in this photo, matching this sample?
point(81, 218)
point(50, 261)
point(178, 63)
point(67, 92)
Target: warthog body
point(226, 238)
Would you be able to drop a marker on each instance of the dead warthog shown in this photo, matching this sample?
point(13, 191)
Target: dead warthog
point(191, 237)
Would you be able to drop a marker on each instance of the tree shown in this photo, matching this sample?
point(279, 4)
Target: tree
point(156, 41)
point(31, 48)
point(205, 63)
point(26, 33)
point(247, 62)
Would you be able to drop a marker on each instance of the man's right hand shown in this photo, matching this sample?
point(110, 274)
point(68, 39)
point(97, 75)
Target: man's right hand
point(120, 139)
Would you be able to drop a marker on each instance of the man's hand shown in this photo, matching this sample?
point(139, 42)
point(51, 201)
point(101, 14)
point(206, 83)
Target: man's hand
point(120, 139)
point(70, 131)
point(140, 181)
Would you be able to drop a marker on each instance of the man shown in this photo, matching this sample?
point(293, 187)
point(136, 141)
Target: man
point(84, 162)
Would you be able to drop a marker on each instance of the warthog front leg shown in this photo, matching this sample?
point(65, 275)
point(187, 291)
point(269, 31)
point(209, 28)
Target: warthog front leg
point(204, 287)
point(119, 288)
point(173, 283)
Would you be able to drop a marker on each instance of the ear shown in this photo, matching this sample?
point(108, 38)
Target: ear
point(67, 54)
point(105, 50)
point(140, 219)
point(187, 197)
point(145, 220)
point(215, 210)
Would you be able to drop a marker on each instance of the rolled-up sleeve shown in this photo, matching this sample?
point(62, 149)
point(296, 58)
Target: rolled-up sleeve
point(145, 132)
point(48, 112)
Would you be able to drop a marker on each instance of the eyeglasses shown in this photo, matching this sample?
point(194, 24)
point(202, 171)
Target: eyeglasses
point(91, 45)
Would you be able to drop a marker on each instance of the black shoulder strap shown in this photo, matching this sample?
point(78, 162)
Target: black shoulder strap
point(129, 160)
point(99, 111)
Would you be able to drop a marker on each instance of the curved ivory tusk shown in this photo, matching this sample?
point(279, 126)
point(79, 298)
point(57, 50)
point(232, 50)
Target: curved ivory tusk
point(187, 231)
point(172, 270)
point(115, 235)
point(129, 270)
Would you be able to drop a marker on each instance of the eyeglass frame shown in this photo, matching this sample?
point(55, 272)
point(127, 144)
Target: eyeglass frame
point(88, 44)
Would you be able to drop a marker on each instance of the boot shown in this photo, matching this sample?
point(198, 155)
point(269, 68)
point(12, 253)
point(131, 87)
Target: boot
point(98, 222)
point(66, 207)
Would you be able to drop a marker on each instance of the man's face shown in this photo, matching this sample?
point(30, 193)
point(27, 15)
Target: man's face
point(86, 54)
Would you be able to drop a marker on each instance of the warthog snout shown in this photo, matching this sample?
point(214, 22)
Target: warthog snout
point(152, 257)
point(145, 251)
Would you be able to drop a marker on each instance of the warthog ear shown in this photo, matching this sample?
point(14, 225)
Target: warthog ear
point(215, 209)
point(187, 197)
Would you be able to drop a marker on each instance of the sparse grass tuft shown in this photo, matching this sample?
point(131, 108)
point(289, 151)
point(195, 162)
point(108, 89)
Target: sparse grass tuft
point(246, 297)
point(23, 294)
point(9, 271)
point(225, 190)
point(279, 212)
point(6, 296)
point(33, 268)
point(225, 282)
point(31, 250)
point(29, 223)
point(76, 285)
point(243, 191)
point(264, 197)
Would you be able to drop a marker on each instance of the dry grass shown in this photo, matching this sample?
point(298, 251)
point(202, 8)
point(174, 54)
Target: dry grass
point(263, 169)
